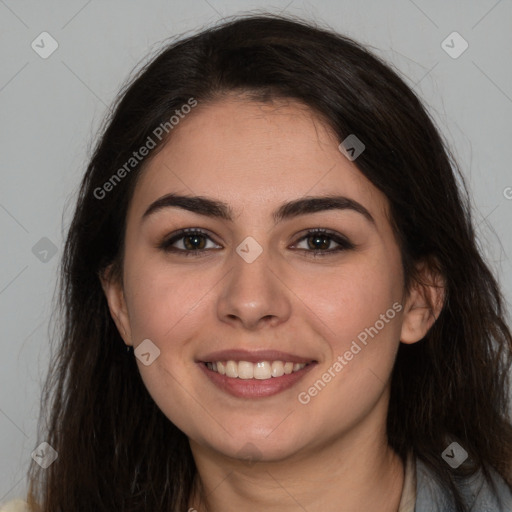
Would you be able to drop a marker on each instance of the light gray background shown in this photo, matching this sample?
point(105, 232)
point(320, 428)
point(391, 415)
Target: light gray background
point(51, 108)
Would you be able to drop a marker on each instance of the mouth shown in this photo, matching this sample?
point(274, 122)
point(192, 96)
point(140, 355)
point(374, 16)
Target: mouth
point(262, 370)
point(254, 375)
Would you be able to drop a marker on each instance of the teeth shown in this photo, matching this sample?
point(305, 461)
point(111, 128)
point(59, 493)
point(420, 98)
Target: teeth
point(245, 370)
point(277, 369)
point(262, 370)
point(231, 369)
point(221, 368)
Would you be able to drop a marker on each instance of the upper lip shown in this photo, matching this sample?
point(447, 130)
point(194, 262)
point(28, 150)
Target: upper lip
point(253, 356)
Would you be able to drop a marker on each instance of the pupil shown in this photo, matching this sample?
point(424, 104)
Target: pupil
point(316, 239)
point(195, 238)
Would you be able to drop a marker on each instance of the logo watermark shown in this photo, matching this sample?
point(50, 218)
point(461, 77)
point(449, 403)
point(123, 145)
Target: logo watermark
point(44, 45)
point(146, 352)
point(352, 147)
point(454, 455)
point(454, 45)
point(44, 455)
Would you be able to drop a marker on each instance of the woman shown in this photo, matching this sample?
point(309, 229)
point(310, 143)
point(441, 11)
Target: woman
point(271, 225)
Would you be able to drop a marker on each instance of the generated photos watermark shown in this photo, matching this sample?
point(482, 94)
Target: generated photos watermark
point(137, 156)
point(304, 397)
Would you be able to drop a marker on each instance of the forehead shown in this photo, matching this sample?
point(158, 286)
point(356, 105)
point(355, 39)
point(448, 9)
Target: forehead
point(249, 153)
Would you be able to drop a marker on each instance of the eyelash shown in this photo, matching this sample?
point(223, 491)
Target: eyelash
point(343, 243)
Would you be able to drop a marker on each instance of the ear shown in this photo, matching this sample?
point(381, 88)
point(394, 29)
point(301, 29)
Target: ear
point(423, 304)
point(114, 293)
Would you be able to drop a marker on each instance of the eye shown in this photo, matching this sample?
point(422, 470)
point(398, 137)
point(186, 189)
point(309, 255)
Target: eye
point(319, 240)
point(192, 241)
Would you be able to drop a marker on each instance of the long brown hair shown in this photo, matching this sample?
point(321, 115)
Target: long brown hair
point(116, 449)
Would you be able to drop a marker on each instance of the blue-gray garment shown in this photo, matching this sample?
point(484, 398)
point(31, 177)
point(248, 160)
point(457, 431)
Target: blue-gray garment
point(477, 493)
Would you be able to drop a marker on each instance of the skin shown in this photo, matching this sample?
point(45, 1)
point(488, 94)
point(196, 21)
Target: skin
point(331, 453)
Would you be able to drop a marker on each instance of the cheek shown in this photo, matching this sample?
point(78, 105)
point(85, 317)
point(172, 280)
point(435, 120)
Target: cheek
point(160, 298)
point(360, 311)
point(359, 306)
point(352, 297)
point(164, 307)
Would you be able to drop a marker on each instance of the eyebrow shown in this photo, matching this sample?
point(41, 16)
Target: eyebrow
point(218, 209)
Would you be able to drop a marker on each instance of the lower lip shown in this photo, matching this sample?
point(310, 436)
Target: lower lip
point(255, 388)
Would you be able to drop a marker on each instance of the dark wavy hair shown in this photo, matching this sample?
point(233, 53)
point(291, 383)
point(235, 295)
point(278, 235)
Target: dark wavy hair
point(117, 450)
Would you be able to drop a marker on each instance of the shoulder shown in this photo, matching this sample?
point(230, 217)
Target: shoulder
point(14, 506)
point(476, 491)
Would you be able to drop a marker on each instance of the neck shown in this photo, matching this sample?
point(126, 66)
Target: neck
point(344, 475)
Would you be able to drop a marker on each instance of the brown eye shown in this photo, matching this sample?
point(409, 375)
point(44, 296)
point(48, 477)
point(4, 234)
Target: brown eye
point(193, 242)
point(186, 241)
point(320, 240)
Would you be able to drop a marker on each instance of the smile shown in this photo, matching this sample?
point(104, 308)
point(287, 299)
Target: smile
point(262, 370)
point(247, 380)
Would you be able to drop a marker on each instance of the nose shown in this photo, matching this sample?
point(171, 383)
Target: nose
point(254, 295)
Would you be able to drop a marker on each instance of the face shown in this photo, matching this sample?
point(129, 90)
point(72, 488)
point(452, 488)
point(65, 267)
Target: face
point(253, 282)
